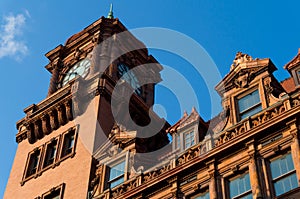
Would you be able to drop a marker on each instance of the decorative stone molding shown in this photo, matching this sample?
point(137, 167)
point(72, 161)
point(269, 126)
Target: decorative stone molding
point(240, 58)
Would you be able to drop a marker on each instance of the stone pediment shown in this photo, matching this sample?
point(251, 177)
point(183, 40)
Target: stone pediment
point(186, 120)
point(243, 70)
point(294, 62)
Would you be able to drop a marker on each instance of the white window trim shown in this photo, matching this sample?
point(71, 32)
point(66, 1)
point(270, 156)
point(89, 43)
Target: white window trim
point(123, 156)
point(181, 133)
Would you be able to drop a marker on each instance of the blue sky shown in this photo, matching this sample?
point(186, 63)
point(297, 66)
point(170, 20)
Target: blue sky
point(29, 29)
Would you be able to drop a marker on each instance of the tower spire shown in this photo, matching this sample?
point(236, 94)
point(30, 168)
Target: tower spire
point(110, 14)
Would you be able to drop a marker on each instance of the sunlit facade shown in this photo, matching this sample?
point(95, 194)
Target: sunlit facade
point(249, 150)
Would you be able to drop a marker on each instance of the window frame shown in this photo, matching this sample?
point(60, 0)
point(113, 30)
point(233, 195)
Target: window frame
point(34, 175)
point(43, 153)
point(201, 193)
point(71, 154)
point(192, 141)
point(60, 188)
point(282, 176)
point(235, 177)
point(180, 134)
point(123, 157)
point(248, 109)
point(56, 156)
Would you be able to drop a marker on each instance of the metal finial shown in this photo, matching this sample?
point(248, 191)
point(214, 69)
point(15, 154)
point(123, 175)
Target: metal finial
point(110, 14)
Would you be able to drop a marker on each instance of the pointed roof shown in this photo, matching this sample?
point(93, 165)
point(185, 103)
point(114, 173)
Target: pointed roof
point(294, 62)
point(186, 120)
point(243, 70)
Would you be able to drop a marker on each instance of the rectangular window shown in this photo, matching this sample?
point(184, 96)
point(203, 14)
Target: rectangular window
point(50, 155)
point(189, 139)
point(33, 164)
point(117, 174)
point(249, 105)
point(68, 143)
point(55, 193)
point(240, 187)
point(204, 195)
point(283, 174)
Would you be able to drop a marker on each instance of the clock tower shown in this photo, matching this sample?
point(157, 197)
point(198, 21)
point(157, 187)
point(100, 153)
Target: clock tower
point(102, 78)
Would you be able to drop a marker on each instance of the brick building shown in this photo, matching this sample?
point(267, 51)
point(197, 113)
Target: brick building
point(79, 142)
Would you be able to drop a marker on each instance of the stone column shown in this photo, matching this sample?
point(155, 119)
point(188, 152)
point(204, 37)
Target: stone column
point(256, 191)
point(212, 186)
point(255, 186)
point(54, 78)
point(212, 183)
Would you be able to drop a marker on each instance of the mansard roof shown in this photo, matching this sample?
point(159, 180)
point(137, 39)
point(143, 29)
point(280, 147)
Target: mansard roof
point(288, 85)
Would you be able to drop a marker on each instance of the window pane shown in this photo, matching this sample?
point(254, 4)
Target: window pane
point(282, 165)
point(33, 163)
point(116, 182)
point(249, 104)
point(203, 196)
point(248, 196)
point(69, 140)
point(53, 195)
point(286, 184)
point(50, 153)
point(239, 186)
point(250, 112)
point(249, 101)
point(189, 139)
point(117, 170)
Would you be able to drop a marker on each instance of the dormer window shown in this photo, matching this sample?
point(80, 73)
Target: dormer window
point(189, 139)
point(249, 104)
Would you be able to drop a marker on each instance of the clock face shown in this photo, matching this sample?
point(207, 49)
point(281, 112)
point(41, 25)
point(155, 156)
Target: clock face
point(130, 78)
point(81, 68)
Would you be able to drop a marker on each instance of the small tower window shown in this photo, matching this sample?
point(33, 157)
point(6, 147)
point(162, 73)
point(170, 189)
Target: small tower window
point(50, 153)
point(33, 163)
point(68, 143)
point(249, 105)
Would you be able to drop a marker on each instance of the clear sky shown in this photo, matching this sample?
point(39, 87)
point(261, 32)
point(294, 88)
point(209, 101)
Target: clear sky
point(29, 29)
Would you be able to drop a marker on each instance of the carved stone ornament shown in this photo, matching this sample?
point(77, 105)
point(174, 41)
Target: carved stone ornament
point(243, 80)
point(240, 58)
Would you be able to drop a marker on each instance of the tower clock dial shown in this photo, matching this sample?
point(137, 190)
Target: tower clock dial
point(81, 68)
point(130, 78)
